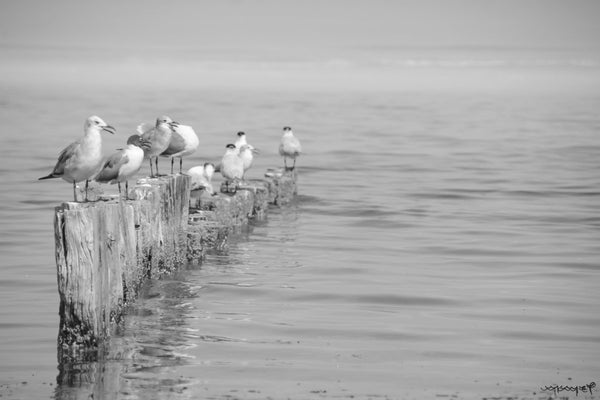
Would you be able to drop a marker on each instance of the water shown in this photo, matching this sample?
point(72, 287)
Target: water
point(444, 243)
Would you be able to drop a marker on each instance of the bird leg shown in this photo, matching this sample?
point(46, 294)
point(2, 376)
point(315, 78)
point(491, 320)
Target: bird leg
point(180, 165)
point(86, 189)
point(285, 162)
point(151, 170)
point(157, 174)
point(126, 190)
point(172, 161)
point(294, 166)
point(119, 186)
point(74, 193)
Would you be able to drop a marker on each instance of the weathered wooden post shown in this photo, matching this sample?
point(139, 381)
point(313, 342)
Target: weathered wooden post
point(105, 250)
point(213, 218)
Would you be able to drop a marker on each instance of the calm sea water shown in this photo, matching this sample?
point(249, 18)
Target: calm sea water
point(445, 241)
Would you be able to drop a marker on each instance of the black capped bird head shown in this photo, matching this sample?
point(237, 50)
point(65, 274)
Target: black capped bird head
point(138, 141)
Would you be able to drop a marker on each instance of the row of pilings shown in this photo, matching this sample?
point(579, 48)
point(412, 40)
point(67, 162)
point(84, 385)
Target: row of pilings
point(106, 250)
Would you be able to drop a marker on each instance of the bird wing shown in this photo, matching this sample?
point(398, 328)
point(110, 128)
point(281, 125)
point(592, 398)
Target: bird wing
point(185, 130)
point(111, 167)
point(176, 145)
point(199, 184)
point(297, 147)
point(290, 145)
point(144, 127)
point(64, 157)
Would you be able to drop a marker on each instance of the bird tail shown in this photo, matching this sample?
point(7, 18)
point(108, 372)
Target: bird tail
point(51, 175)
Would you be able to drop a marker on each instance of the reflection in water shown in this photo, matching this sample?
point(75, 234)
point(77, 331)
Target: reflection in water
point(154, 336)
point(160, 331)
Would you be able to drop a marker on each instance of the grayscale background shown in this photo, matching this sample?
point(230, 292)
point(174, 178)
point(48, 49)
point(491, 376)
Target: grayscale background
point(445, 242)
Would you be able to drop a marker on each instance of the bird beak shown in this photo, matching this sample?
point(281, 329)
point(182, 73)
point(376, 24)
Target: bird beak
point(255, 151)
point(173, 124)
point(109, 129)
point(144, 144)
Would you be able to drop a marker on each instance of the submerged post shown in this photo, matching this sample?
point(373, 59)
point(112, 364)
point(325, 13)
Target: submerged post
point(105, 250)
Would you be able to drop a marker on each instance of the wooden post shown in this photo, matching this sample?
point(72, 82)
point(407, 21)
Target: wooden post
point(105, 250)
point(213, 218)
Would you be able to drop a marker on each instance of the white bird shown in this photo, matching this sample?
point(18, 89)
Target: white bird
point(232, 166)
point(124, 164)
point(289, 147)
point(82, 159)
point(159, 136)
point(245, 152)
point(184, 142)
point(241, 140)
point(202, 177)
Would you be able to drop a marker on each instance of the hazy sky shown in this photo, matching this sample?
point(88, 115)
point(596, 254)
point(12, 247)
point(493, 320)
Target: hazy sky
point(299, 26)
point(281, 43)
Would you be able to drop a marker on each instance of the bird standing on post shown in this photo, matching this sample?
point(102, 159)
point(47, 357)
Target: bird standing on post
point(247, 156)
point(184, 142)
point(241, 140)
point(82, 159)
point(202, 177)
point(232, 166)
point(125, 163)
point(159, 136)
point(289, 147)
point(246, 150)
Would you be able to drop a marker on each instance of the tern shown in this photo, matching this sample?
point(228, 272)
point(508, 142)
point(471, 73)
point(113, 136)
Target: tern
point(184, 142)
point(125, 163)
point(232, 165)
point(289, 147)
point(241, 140)
point(82, 159)
point(245, 152)
point(159, 136)
point(202, 177)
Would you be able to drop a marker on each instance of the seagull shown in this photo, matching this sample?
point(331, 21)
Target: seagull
point(245, 152)
point(289, 147)
point(202, 177)
point(82, 159)
point(159, 136)
point(232, 166)
point(184, 142)
point(125, 163)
